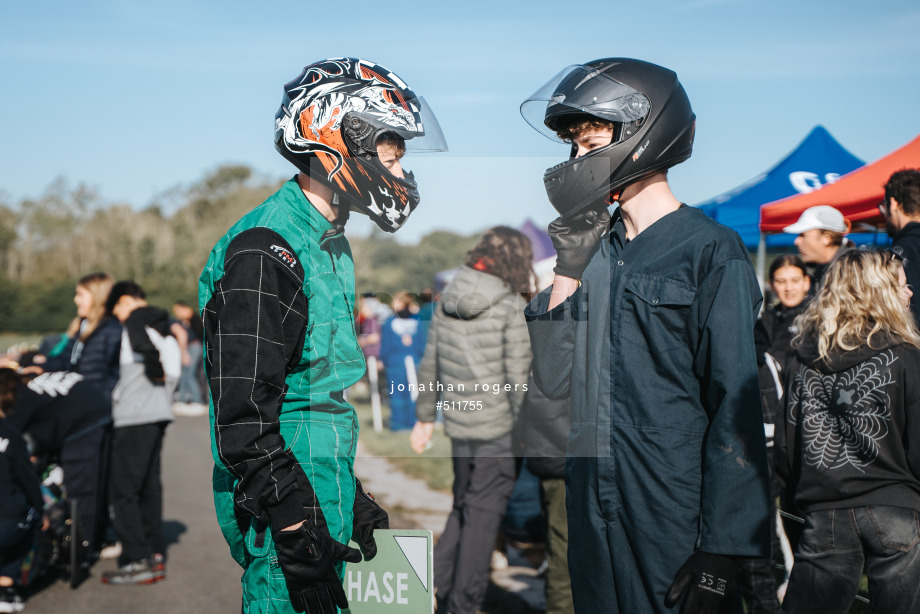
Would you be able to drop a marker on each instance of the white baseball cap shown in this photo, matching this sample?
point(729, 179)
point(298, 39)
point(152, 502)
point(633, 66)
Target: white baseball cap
point(822, 217)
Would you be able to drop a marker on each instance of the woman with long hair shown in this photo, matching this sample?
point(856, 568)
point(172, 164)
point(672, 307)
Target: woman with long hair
point(474, 371)
point(94, 337)
point(850, 449)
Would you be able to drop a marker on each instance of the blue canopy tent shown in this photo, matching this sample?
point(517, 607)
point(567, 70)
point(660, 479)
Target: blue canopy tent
point(818, 160)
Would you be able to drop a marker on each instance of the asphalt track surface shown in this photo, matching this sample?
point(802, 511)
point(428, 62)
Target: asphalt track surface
point(201, 578)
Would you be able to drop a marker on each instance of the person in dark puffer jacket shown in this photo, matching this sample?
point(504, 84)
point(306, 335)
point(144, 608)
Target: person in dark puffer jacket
point(477, 356)
point(94, 338)
point(850, 447)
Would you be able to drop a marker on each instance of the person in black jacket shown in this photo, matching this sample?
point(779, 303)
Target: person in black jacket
point(775, 329)
point(94, 338)
point(20, 499)
point(901, 209)
point(68, 418)
point(544, 427)
point(850, 447)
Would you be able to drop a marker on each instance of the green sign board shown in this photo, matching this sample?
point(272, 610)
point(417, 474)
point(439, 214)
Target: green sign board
point(399, 579)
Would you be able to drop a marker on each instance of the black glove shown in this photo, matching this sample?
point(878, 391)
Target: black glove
point(707, 580)
point(368, 516)
point(307, 556)
point(576, 239)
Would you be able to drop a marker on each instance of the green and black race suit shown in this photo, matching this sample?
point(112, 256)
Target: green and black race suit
point(277, 297)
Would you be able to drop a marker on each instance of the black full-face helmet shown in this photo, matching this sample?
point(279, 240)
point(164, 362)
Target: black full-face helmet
point(653, 128)
point(330, 121)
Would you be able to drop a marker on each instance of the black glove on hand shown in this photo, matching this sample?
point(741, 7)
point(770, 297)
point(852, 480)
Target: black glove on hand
point(368, 516)
point(307, 556)
point(707, 580)
point(576, 239)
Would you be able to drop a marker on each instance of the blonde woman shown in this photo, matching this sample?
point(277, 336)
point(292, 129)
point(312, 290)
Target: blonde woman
point(850, 449)
point(94, 336)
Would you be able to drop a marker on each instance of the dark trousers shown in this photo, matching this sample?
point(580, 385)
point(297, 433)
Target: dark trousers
point(483, 481)
point(16, 540)
point(756, 579)
point(838, 544)
point(84, 459)
point(758, 585)
point(558, 582)
point(135, 491)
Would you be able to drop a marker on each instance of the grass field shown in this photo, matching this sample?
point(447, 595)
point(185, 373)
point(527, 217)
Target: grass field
point(8, 340)
point(434, 466)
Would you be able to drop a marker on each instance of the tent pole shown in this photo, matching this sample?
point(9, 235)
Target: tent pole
point(762, 261)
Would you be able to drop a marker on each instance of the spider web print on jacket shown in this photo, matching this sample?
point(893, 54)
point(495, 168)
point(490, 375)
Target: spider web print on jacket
point(843, 416)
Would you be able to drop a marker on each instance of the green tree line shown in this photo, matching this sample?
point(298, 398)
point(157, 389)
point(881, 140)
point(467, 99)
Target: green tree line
point(48, 243)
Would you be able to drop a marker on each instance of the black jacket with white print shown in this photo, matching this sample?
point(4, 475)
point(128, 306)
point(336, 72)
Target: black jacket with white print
point(852, 427)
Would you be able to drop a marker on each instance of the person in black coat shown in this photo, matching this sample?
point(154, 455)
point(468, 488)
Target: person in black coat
point(544, 430)
point(20, 499)
point(67, 418)
point(901, 208)
point(775, 329)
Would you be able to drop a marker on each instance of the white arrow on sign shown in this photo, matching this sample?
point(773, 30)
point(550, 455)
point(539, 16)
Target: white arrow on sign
point(415, 550)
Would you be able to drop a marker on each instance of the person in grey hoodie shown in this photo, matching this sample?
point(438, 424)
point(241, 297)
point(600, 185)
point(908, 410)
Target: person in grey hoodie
point(850, 449)
point(151, 365)
point(474, 371)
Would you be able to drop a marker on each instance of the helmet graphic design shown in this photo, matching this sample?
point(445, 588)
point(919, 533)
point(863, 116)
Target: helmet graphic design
point(330, 121)
point(653, 128)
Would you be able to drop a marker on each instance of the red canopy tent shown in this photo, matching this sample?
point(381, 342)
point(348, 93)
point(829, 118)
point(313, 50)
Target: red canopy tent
point(857, 194)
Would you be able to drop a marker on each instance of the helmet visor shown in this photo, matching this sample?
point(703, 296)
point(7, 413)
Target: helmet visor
point(409, 118)
point(583, 90)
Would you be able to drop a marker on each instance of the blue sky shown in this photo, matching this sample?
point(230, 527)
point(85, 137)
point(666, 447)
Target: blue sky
point(135, 98)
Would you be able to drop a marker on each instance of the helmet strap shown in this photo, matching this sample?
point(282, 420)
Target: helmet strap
point(614, 197)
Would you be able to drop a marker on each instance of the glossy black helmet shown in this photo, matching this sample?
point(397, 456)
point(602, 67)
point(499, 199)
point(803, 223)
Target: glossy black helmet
point(330, 121)
point(653, 127)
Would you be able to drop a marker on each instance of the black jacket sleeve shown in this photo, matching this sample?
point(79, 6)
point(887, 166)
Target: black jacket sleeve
point(255, 324)
point(763, 333)
point(734, 454)
point(16, 456)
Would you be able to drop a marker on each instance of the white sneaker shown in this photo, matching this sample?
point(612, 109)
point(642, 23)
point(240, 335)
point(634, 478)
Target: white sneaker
point(189, 409)
point(111, 552)
point(10, 600)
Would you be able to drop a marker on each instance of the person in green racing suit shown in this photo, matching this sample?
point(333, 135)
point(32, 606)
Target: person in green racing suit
point(277, 297)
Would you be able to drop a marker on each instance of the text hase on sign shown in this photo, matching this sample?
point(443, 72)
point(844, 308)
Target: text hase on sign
point(392, 588)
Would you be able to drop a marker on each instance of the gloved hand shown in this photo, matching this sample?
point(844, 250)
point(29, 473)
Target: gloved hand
point(576, 239)
point(307, 556)
point(707, 580)
point(368, 515)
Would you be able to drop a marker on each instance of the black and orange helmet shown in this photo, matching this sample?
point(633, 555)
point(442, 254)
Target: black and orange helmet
point(330, 120)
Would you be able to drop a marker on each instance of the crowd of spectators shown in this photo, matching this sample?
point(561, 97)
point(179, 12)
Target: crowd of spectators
point(83, 417)
point(837, 352)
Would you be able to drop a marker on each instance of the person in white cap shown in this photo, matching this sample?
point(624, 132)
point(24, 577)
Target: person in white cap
point(822, 231)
